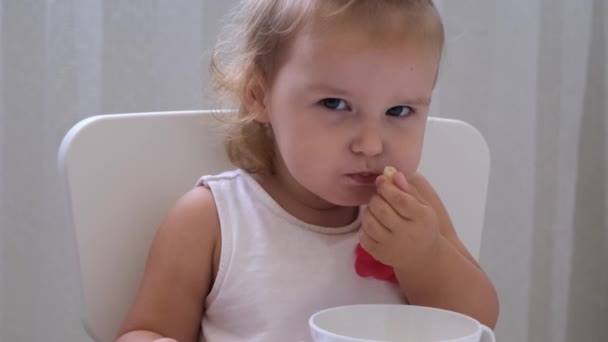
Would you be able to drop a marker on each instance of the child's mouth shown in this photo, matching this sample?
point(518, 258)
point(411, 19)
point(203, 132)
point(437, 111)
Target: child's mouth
point(364, 178)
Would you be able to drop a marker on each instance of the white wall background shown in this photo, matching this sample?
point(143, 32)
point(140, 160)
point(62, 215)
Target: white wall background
point(530, 74)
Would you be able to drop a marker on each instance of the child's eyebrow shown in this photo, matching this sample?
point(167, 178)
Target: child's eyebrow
point(418, 101)
point(326, 88)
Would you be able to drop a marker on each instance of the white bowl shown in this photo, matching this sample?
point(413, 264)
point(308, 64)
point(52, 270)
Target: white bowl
point(403, 323)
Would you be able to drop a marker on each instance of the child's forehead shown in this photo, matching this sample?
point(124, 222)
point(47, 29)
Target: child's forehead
point(344, 56)
point(384, 27)
point(362, 25)
point(350, 37)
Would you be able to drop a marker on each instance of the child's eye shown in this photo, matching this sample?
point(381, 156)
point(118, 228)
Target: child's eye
point(334, 104)
point(399, 111)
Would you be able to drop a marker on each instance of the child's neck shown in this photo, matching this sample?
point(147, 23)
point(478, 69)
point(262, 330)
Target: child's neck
point(303, 204)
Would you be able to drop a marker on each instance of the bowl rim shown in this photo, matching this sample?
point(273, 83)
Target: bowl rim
point(314, 327)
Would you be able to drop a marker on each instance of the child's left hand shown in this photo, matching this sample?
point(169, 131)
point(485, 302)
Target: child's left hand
point(399, 228)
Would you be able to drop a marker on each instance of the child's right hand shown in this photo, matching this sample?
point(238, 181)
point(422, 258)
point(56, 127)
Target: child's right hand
point(399, 228)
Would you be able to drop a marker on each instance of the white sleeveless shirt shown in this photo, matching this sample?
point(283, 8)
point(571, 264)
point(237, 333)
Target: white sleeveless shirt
point(275, 270)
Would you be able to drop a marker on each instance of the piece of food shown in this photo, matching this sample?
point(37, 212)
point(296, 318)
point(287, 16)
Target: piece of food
point(389, 171)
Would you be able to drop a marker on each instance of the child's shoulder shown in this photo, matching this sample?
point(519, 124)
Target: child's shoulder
point(224, 176)
point(195, 205)
point(192, 223)
point(194, 216)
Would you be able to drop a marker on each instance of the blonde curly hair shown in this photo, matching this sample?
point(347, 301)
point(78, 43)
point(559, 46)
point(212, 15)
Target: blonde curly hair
point(255, 39)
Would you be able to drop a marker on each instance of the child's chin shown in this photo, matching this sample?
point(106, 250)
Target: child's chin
point(355, 200)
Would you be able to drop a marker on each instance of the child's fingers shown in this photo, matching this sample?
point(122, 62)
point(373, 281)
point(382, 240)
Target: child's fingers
point(401, 182)
point(369, 244)
point(373, 228)
point(403, 203)
point(384, 213)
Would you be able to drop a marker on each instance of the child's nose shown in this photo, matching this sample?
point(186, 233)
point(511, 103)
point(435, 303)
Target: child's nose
point(368, 140)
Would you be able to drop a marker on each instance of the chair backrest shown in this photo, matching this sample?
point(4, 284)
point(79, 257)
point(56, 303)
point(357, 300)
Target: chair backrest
point(123, 172)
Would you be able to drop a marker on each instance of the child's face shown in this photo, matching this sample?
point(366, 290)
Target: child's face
point(343, 107)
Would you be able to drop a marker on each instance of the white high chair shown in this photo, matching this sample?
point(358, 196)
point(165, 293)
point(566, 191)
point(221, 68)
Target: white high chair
point(123, 172)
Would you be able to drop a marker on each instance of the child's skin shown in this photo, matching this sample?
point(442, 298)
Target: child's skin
point(407, 220)
point(342, 106)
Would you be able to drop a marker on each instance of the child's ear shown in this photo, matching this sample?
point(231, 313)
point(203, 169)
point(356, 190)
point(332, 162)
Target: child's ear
point(257, 96)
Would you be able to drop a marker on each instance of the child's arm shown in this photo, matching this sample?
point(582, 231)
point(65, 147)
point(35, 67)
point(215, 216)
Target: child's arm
point(409, 228)
point(178, 274)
